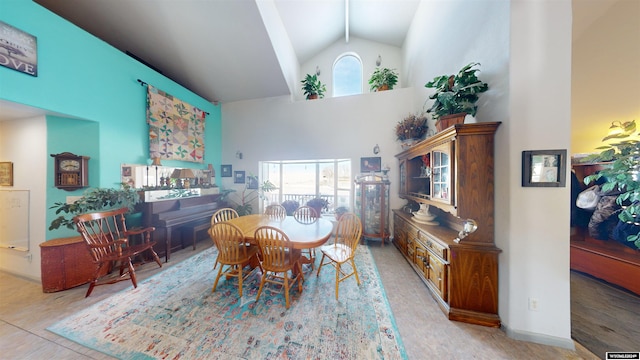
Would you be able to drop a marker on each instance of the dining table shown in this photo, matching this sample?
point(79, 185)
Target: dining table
point(302, 236)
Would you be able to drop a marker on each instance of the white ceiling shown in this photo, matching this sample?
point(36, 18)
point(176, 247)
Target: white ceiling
point(217, 48)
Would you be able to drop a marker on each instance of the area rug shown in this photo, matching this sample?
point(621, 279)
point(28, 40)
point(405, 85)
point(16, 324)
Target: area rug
point(174, 315)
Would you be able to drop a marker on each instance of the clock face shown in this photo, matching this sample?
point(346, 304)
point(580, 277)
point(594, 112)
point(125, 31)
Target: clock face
point(69, 165)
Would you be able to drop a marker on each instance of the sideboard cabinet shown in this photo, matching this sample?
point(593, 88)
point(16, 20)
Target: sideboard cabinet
point(452, 172)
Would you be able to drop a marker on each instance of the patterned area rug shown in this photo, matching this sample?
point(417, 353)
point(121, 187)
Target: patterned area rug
point(174, 315)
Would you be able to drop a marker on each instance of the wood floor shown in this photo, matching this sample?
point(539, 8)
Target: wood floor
point(604, 317)
point(26, 312)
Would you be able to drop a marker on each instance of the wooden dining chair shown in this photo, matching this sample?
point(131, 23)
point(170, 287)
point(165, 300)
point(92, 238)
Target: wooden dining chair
point(280, 262)
point(307, 215)
point(343, 250)
point(276, 211)
point(233, 253)
point(221, 215)
point(224, 214)
point(107, 238)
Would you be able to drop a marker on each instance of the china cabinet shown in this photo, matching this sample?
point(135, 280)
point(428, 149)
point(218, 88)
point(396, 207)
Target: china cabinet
point(372, 206)
point(451, 174)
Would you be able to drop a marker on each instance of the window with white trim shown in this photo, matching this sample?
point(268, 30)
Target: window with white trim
point(347, 75)
point(303, 180)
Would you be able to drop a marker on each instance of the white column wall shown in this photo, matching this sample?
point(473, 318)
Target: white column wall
point(24, 142)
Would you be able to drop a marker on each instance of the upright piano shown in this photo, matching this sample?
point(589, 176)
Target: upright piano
point(171, 216)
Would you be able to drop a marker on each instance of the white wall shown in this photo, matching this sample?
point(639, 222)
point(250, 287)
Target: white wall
point(368, 52)
point(605, 75)
point(533, 223)
point(344, 127)
point(19, 141)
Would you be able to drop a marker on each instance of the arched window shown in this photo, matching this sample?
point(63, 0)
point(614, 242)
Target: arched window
point(347, 75)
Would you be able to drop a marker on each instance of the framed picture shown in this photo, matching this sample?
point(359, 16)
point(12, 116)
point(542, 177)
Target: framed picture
point(252, 182)
point(21, 50)
point(238, 177)
point(6, 173)
point(544, 168)
point(225, 170)
point(369, 164)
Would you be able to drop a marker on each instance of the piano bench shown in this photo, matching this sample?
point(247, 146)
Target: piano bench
point(190, 231)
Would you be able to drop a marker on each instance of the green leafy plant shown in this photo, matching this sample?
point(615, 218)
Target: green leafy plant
point(413, 126)
point(382, 77)
point(244, 205)
point(313, 87)
point(456, 93)
point(622, 173)
point(94, 199)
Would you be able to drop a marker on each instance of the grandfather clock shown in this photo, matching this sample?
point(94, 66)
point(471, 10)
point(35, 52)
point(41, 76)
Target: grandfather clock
point(71, 171)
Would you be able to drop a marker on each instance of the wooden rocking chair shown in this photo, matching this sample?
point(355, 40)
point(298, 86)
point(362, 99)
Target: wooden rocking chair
point(107, 238)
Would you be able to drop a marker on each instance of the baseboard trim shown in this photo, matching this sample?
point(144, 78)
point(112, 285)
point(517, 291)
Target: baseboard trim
point(539, 338)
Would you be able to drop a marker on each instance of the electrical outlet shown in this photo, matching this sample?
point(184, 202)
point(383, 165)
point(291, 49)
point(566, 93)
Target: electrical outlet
point(533, 304)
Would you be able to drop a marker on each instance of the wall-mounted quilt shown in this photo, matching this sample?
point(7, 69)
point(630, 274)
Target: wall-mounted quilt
point(176, 129)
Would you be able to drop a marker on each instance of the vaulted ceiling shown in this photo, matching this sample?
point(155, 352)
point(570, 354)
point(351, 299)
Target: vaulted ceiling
point(217, 48)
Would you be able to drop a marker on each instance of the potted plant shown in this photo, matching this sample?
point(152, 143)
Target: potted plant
point(290, 206)
point(95, 199)
point(621, 175)
point(318, 204)
point(413, 127)
point(383, 79)
point(341, 210)
point(455, 96)
point(313, 88)
point(244, 206)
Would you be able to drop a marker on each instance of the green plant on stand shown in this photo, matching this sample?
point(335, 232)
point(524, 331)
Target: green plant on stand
point(93, 200)
point(244, 205)
point(622, 174)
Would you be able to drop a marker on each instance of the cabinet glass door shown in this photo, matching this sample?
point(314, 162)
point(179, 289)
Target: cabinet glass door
point(372, 205)
point(441, 174)
point(403, 177)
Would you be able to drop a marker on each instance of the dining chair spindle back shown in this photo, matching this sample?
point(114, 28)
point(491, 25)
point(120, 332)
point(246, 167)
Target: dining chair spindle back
point(278, 260)
point(343, 250)
point(233, 252)
point(276, 211)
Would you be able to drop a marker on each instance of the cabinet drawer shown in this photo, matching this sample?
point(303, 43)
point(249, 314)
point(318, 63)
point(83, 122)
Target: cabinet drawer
point(421, 260)
point(434, 246)
point(438, 276)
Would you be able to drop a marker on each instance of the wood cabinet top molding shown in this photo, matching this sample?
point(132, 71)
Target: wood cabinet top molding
point(449, 134)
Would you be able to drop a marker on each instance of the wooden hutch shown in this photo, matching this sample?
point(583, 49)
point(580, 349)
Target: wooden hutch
point(453, 173)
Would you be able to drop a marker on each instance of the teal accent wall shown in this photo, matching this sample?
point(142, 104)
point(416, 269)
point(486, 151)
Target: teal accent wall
point(92, 88)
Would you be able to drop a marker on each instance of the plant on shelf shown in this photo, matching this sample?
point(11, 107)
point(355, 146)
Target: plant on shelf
point(412, 127)
point(621, 174)
point(455, 95)
point(94, 199)
point(313, 88)
point(383, 79)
